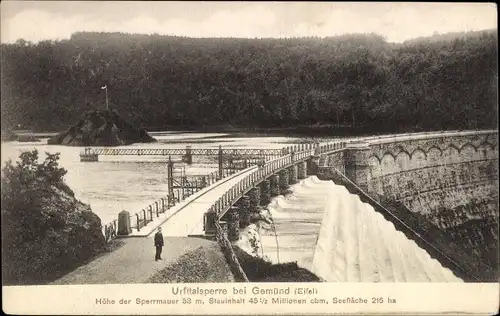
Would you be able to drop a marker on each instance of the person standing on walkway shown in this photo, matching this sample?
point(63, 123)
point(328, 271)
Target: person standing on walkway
point(158, 244)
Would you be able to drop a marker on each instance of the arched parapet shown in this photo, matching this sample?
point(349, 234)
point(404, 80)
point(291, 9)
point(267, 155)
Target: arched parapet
point(434, 155)
point(425, 154)
point(487, 150)
point(375, 166)
point(418, 158)
point(492, 139)
point(388, 162)
point(451, 154)
point(403, 160)
point(468, 152)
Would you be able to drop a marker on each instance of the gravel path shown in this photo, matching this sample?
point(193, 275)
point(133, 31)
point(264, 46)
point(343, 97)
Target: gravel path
point(134, 262)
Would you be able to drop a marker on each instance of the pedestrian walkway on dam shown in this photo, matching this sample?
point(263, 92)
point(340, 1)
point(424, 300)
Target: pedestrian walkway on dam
point(180, 221)
point(133, 262)
point(189, 220)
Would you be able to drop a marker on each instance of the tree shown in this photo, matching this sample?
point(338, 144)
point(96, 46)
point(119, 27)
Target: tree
point(447, 82)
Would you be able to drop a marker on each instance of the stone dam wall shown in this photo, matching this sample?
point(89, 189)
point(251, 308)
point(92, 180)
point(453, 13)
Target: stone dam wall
point(451, 180)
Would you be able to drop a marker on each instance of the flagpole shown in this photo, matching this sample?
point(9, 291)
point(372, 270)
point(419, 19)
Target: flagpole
point(107, 105)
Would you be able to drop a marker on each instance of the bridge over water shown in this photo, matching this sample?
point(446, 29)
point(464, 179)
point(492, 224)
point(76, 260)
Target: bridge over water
point(369, 167)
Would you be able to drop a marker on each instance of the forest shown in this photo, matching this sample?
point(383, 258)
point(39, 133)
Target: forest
point(158, 82)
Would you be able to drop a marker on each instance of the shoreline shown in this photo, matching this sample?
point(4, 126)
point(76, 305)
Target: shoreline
point(313, 130)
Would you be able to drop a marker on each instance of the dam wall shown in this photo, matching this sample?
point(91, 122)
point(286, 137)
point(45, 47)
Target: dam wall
point(447, 180)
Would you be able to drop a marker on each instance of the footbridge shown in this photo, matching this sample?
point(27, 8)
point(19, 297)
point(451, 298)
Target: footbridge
point(223, 206)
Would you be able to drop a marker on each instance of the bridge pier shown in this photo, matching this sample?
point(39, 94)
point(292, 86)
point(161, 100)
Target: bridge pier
point(254, 197)
point(302, 170)
point(223, 226)
point(356, 163)
point(275, 189)
point(265, 192)
point(312, 164)
point(284, 180)
point(233, 224)
point(245, 211)
point(292, 174)
point(209, 219)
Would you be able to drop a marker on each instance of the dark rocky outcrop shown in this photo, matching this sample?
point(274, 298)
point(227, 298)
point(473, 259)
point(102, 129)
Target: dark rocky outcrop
point(101, 128)
point(70, 235)
point(46, 231)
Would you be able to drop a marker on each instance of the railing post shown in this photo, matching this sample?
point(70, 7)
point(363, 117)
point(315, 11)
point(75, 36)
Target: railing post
point(156, 204)
point(138, 222)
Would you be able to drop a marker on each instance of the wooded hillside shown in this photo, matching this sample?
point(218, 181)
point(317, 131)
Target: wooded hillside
point(445, 82)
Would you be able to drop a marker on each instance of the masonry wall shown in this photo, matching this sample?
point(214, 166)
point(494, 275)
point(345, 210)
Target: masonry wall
point(335, 159)
point(452, 181)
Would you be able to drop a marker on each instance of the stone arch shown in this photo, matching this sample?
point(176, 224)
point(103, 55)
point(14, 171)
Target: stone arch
point(375, 166)
point(466, 145)
point(374, 158)
point(388, 163)
point(468, 152)
point(418, 158)
point(486, 150)
point(388, 153)
point(434, 155)
point(485, 145)
point(403, 160)
point(451, 154)
point(436, 148)
point(418, 150)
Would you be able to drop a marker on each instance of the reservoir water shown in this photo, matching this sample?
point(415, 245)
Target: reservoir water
point(131, 183)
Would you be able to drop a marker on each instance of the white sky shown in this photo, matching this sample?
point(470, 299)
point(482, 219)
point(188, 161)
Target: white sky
point(41, 20)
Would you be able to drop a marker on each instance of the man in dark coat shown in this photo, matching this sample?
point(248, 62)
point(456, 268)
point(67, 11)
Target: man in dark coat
point(158, 244)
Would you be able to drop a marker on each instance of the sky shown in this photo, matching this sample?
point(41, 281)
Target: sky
point(57, 20)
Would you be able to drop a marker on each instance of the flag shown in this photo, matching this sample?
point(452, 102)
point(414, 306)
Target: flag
point(104, 87)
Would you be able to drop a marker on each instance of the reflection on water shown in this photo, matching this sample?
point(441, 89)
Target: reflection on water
point(131, 183)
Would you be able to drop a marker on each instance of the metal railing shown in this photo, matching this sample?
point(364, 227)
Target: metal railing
point(154, 210)
point(270, 167)
point(228, 251)
point(235, 152)
point(145, 216)
point(110, 230)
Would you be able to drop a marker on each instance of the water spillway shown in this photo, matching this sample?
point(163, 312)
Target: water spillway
point(334, 234)
point(357, 244)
